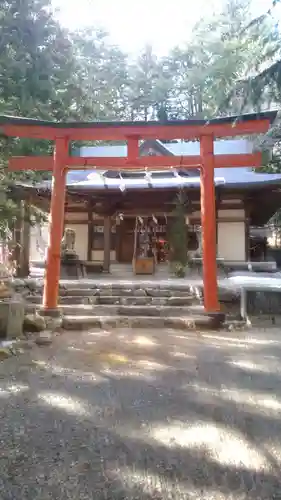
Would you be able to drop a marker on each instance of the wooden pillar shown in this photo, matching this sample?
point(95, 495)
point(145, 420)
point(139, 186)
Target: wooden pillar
point(118, 247)
point(217, 207)
point(90, 230)
point(22, 240)
point(107, 243)
point(18, 228)
point(25, 250)
point(247, 232)
point(56, 224)
point(208, 221)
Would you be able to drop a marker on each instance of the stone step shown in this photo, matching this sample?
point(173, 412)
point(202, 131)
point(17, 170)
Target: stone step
point(192, 322)
point(89, 287)
point(117, 300)
point(181, 286)
point(37, 300)
point(142, 301)
point(122, 292)
point(121, 310)
point(127, 292)
point(77, 292)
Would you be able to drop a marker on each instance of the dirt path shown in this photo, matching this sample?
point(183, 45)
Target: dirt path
point(143, 415)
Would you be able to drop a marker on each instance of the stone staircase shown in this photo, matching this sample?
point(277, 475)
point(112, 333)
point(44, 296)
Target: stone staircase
point(134, 305)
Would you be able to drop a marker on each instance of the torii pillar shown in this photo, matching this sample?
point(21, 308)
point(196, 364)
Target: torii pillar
point(56, 222)
point(208, 222)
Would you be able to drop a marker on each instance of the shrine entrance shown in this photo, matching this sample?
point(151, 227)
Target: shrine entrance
point(204, 131)
point(157, 229)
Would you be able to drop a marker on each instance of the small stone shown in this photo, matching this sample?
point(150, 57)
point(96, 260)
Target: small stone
point(5, 292)
point(44, 338)
point(17, 283)
point(34, 323)
point(139, 293)
point(4, 353)
point(53, 323)
point(31, 284)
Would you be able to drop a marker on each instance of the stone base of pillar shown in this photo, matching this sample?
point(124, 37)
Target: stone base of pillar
point(50, 313)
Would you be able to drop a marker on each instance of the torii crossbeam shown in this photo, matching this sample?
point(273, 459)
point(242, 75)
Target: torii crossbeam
point(133, 132)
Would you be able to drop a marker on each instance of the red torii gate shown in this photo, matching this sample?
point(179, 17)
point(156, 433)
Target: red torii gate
point(132, 132)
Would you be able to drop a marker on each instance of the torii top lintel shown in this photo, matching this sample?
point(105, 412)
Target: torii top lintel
point(230, 126)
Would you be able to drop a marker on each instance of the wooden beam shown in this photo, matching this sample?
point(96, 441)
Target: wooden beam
point(143, 131)
point(107, 244)
point(45, 163)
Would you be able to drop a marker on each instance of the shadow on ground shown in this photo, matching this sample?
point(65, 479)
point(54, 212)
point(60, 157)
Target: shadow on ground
point(143, 415)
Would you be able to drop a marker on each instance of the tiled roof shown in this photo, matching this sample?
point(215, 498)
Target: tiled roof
point(231, 177)
point(31, 122)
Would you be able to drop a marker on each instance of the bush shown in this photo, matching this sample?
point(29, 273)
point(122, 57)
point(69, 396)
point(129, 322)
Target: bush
point(179, 269)
point(178, 237)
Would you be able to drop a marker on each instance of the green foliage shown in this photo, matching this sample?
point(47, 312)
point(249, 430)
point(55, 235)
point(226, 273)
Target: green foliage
point(100, 78)
point(35, 64)
point(207, 76)
point(210, 70)
point(49, 73)
point(178, 269)
point(261, 86)
point(36, 60)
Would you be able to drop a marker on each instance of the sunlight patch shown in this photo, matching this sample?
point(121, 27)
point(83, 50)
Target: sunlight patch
point(270, 403)
point(12, 389)
point(146, 484)
point(75, 374)
point(184, 355)
point(99, 333)
point(4, 393)
point(199, 388)
point(64, 402)
point(220, 338)
point(127, 373)
point(153, 485)
point(258, 400)
point(151, 365)
point(145, 341)
point(16, 388)
point(225, 446)
point(249, 365)
point(112, 357)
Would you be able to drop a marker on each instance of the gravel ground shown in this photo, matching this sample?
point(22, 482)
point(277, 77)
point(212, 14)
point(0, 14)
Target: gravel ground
point(143, 415)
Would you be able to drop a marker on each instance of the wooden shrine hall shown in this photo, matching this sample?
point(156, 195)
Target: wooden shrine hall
point(134, 134)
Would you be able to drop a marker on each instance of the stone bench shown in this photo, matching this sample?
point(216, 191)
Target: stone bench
point(73, 268)
point(255, 266)
point(80, 268)
point(263, 299)
point(93, 267)
point(197, 263)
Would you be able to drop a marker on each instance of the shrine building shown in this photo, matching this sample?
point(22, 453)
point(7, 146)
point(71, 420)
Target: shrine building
point(120, 199)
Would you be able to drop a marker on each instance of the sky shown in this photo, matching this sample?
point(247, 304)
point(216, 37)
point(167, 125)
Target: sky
point(133, 24)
